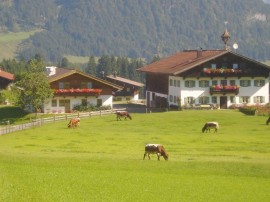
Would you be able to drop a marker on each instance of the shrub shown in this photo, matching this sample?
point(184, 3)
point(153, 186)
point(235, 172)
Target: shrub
point(90, 107)
point(259, 110)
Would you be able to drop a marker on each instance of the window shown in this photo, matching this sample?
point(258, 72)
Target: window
point(62, 103)
point(232, 82)
point(214, 83)
point(171, 98)
point(223, 82)
point(189, 100)
point(174, 83)
point(224, 65)
point(232, 99)
point(259, 83)
point(204, 100)
point(235, 66)
point(214, 99)
point(54, 103)
point(64, 85)
point(178, 83)
point(258, 99)
point(171, 82)
point(244, 83)
point(61, 85)
point(128, 89)
point(86, 85)
point(203, 83)
point(189, 83)
point(174, 99)
point(99, 102)
point(244, 99)
point(213, 66)
point(84, 102)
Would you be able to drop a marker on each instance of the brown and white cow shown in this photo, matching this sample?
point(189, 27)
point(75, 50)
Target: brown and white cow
point(157, 149)
point(74, 123)
point(210, 125)
point(124, 114)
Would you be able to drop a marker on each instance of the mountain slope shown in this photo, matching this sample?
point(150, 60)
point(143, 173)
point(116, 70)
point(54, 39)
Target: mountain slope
point(137, 28)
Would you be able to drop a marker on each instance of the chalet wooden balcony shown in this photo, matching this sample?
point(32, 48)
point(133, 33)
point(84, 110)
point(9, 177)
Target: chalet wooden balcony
point(219, 89)
point(78, 92)
point(223, 72)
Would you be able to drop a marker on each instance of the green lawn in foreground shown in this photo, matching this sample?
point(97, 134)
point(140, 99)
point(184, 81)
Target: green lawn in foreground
point(102, 160)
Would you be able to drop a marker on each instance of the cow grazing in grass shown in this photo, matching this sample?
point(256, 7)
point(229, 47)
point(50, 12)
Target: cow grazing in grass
point(210, 125)
point(124, 114)
point(157, 149)
point(74, 123)
point(268, 121)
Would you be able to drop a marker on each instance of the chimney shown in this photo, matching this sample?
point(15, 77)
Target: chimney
point(199, 53)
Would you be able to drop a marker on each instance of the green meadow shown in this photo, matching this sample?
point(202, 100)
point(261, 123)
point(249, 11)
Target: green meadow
point(10, 42)
point(102, 160)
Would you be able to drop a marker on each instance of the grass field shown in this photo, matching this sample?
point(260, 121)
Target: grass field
point(103, 159)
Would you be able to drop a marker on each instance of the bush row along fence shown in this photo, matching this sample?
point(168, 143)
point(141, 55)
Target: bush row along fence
point(41, 121)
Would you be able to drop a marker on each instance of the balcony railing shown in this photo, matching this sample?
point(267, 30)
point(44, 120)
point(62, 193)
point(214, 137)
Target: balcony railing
point(78, 91)
point(220, 89)
point(222, 72)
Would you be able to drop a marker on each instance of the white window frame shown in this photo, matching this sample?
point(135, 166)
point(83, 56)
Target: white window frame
point(259, 82)
point(203, 83)
point(190, 84)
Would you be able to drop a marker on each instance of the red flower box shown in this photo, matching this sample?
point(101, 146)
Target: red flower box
point(78, 90)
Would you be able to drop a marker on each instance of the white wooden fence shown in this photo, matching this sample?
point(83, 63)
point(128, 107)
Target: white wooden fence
point(40, 121)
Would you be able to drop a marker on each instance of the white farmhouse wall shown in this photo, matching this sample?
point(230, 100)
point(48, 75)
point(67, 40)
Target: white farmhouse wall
point(182, 92)
point(106, 101)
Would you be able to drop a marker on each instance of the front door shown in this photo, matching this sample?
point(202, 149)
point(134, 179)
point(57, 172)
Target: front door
point(223, 102)
point(66, 104)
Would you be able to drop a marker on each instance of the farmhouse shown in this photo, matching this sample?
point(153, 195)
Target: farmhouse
point(6, 78)
point(130, 91)
point(73, 87)
point(212, 78)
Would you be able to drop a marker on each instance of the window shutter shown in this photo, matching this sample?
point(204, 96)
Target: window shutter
point(249, 82)
point(186, 84)
point(193, 83)
point(200, 83)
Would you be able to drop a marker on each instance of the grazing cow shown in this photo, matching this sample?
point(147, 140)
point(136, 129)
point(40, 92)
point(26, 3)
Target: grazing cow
point(210, 125)
point(124, 114)
point(157, 149)
point(268, 121)
point(74, 123)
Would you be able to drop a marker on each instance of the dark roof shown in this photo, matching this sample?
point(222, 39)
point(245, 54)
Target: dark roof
point(6, 75)
point(183, 61)
point(124, 80)
point(62, 73)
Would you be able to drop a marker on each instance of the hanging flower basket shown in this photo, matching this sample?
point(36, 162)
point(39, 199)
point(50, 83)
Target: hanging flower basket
point(221, 71)
point(78, 90)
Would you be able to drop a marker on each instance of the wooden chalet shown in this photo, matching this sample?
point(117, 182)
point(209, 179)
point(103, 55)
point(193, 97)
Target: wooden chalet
point(131, 89)
point(5, 79)
point(218, 78)
point(73, 87)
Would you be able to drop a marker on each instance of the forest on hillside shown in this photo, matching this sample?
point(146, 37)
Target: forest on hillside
point(136, 28)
